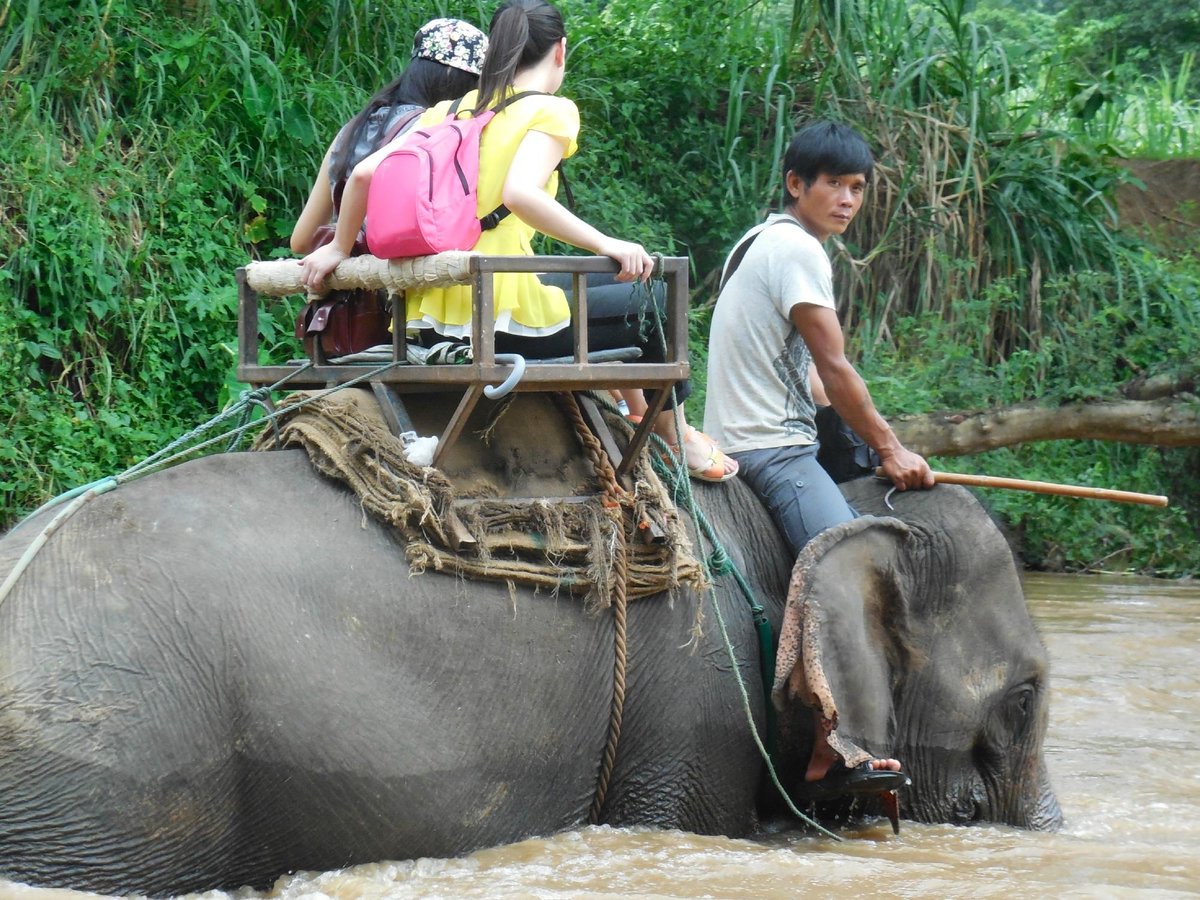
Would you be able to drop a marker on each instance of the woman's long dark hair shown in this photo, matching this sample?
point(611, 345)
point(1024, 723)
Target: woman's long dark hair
point(521, 34)
point(423, 83)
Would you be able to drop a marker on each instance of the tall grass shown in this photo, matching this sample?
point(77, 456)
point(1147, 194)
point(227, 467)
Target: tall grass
point(973, 187)
point(151, 147)
point(1149, 118)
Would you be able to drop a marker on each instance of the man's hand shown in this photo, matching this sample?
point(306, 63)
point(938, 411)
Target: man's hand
point(907, 469)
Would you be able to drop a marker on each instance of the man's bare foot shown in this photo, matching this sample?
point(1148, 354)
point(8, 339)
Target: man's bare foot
point(885, 765)
point(876, 776)
point(824, 757)
point(827, 775)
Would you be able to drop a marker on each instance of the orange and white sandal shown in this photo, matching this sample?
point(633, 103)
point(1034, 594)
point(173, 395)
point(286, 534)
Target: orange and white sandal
point(713, 469)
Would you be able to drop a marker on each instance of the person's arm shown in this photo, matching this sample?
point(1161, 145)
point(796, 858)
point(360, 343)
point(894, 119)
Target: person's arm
point(816, 387)
point(318, 264)
point(848, 394)
point(318, 210)
point(525, 195)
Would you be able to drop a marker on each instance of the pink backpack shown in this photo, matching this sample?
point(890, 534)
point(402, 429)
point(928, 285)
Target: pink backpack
point(423, 196)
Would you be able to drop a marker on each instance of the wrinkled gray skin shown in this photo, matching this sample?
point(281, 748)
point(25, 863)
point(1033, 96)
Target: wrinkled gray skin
point(932, 656)
point(223, 672)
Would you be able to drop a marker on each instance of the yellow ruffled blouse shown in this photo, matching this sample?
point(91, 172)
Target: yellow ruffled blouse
point(524, 305)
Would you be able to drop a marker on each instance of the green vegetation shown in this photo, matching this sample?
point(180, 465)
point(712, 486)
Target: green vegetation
point(152, 147)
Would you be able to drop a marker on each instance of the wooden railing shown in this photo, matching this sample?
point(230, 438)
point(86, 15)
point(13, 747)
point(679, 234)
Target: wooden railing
point(486, 374)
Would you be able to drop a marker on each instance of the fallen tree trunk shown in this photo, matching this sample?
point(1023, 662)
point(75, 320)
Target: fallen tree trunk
point(1165, 422)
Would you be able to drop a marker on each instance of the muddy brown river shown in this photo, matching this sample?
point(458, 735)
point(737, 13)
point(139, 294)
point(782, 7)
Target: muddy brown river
point(1123, 751)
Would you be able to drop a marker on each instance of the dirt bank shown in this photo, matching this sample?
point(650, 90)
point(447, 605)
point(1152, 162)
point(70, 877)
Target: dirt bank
point(1167, 211)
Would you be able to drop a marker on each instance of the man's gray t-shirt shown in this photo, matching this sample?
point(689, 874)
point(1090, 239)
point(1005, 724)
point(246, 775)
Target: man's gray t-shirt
point(758, 393)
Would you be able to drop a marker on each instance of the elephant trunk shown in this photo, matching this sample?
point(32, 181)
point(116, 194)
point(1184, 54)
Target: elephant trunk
point(1026, 799)
point(1042, 812)
point(952, 787)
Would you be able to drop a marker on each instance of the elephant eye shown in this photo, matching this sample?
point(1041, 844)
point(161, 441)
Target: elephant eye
point(1020, 706)
point(1006, 726)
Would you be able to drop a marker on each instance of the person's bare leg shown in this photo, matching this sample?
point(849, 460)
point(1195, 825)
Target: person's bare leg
point(697, 447)
point(636, 401)
point(823, 756)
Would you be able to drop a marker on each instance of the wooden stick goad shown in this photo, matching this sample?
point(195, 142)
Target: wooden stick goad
point(1045, 487)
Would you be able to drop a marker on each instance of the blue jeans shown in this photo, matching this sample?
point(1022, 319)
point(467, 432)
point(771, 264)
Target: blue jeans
point(798, 493)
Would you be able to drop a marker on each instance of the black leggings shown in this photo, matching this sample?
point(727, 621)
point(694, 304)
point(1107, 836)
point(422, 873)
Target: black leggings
point(620, 314)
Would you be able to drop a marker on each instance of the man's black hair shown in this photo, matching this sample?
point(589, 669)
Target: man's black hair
point(826, 148)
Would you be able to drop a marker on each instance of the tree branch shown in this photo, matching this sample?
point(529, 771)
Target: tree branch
point(1166, 422)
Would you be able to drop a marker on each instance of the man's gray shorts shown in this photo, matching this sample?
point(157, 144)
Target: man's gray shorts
point(798, 493)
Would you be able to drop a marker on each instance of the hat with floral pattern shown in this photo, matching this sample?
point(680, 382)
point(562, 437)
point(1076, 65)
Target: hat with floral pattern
point(451, 42)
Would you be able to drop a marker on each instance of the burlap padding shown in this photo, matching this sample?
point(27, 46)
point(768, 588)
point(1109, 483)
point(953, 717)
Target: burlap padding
point(544, 542)
point(281, 277)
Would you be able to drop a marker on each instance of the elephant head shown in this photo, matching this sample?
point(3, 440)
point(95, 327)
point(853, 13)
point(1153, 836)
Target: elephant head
point(911, 637)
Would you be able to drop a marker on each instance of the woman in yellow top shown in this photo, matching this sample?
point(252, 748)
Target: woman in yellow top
point(524, 305)
point(519, 152)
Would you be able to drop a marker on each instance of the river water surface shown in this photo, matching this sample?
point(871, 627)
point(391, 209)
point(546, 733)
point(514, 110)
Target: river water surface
point(1123, 751)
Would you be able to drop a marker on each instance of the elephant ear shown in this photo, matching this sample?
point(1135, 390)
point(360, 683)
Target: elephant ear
point(843, 631)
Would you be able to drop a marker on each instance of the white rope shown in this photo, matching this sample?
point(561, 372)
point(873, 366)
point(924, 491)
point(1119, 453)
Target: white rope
point(44, 535)
point(281, 277)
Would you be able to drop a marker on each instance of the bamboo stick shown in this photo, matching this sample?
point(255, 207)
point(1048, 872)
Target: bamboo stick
point(1046, 487)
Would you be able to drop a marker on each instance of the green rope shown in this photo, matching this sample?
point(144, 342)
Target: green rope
point(720, 563)
point(672, 466)
point(38, 542)
point(243, 409)
point(233, 437)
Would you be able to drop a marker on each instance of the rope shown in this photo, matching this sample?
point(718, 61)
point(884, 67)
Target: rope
point(32, 550)
point(620, 662)
point(671, 464)
point(153, 461)
point(281, 277)
point(616, 499)
point(721, 563)
point(81, 495)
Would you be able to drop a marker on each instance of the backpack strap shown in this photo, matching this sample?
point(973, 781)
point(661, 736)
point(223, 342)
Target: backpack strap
point(497, 215)
point(739, 252)
point(403, 122)
point(390, 135)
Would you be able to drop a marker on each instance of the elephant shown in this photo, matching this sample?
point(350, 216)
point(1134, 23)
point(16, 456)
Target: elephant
point(225, 671)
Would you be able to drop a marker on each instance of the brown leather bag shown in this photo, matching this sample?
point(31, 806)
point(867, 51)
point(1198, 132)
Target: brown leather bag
point(344, 322)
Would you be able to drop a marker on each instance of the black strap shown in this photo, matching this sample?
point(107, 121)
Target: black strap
point(495, 217)
point(401, 125)
point(501, 212)
point(739, 252)
point(340, 188)
point(566, 186)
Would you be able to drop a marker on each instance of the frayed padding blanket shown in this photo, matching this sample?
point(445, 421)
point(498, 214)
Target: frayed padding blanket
point(555, 543)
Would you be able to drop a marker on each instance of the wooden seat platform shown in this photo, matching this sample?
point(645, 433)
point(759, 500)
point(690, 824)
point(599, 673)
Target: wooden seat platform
point(481, 376)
